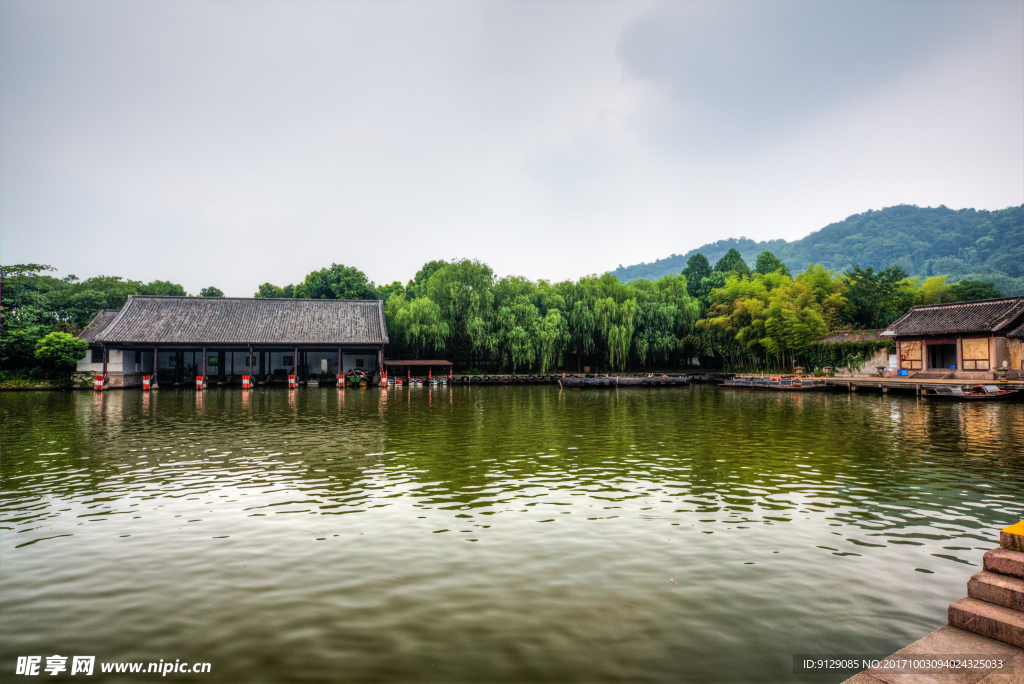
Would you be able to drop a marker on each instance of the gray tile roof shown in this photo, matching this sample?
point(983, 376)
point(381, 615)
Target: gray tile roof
point(839, 336)
point(990, 315)
point(229, 320)
point(97, 324)
point(1018, 332)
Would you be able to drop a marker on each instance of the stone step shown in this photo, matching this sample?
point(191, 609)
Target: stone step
point(1005, 562)
point(989, 620)
point(1012, 537)
point(1001, 590)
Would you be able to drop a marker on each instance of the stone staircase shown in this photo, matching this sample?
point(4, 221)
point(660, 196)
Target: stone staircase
point(994, 605)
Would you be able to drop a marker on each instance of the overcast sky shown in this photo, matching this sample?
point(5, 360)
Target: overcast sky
point(237, 143)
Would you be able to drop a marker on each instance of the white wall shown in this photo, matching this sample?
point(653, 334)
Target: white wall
point(348, 362)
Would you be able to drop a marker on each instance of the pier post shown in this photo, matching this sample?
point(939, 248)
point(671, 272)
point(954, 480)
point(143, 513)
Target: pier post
point(156, 381)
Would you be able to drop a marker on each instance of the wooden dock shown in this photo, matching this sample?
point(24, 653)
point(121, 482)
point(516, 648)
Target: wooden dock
point(910, 385)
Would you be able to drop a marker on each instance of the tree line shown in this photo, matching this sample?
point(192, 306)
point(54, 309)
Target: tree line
point(725, 315)
point(41, 315)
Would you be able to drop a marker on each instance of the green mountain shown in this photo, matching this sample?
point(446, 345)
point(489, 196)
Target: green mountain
point(962, 244)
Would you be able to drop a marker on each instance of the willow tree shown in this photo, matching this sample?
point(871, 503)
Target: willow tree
point(418, 324)
point(552, 340)
point(463, 291)
point(516, 332)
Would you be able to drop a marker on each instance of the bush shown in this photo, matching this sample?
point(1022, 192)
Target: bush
point(61, 351)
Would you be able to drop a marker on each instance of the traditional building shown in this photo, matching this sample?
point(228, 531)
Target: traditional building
point(966, 340)
point(175, 339)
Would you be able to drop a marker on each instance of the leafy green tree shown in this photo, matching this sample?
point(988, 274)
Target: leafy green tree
point(211, 292)
point(384, 292)
point(732, 262)
point(165, 289)
point(933, 290)
point(419, 323)
point(60, 351)
point(697, 269)
point(81, 301)
point(552, 339)
point(336, 282)
point(464, 290)
point(830, 293)
point(769, 263)
point(271, 291)
point(875, 299)
point(417, 286)
point(516, 331)
point(973, 290)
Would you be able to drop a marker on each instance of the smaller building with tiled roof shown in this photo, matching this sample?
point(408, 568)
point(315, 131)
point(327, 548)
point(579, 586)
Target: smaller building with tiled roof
point(100, 321)
point(842, 336)
point(222, 339)
point(969, 340)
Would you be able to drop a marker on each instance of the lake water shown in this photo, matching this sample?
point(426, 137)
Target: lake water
point(491, 534)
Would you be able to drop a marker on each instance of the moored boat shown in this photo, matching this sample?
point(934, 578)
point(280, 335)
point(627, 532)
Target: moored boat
point(783, 383)
point(975, 393)
point(356, 378)
point(626, 381)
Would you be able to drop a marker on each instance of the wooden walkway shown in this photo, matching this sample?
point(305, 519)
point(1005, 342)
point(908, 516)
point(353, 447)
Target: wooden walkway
point(913, 385)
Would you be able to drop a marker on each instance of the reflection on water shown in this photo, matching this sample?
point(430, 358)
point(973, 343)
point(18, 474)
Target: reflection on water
point(506, 534)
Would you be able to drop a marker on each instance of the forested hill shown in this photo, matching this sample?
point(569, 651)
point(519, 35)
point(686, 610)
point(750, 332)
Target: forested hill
point(961, 244)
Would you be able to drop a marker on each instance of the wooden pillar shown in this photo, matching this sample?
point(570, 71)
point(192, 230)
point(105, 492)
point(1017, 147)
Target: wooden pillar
point(156, 367)
point(340, 372)
point(221, 357)
point(106, 357)
point(204, 365)
point(263, 377)
point(249, 359)
point(295, 364)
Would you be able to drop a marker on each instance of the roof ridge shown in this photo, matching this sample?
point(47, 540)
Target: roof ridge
point(250, 299)
point(967, 303)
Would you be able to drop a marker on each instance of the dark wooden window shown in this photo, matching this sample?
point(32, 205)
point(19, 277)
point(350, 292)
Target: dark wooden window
point(359, 363)
point(97, 354)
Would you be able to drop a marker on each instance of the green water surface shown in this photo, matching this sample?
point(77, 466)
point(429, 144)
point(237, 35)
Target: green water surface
point(491, 534)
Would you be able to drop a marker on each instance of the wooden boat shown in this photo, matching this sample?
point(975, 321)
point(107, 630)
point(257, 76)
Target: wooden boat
point(625, 381)
point(976, 393)
point(356, 378)
point(781, 383)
